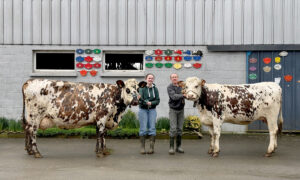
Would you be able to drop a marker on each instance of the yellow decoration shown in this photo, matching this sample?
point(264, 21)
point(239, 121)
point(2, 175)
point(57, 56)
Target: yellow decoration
point(177, 65)
point(277, 59)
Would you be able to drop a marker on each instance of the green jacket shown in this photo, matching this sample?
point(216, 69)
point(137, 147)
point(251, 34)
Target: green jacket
point(149, 95)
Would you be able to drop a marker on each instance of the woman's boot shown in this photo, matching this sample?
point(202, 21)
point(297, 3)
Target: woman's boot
point(178, 144)
point(171, 150)
point(142, 139)
point(152, 142)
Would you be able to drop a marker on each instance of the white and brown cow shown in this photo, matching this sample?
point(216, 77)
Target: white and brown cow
point(48, 103)
point(237, 104)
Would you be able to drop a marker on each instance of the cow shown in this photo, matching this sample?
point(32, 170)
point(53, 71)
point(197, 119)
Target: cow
point(67, 105)
point(237, 104)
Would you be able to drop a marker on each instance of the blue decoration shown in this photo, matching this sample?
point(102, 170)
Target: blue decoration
point(148, 58)
point(187, 58)
point(79, 59)
point(79, 51)
point(197, 58)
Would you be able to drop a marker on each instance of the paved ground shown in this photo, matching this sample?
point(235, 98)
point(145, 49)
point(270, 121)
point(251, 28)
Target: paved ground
point(241, 157)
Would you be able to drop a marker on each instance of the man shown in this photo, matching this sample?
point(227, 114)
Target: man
point(176, 113)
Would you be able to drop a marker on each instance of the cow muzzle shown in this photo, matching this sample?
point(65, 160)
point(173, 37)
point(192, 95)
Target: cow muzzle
point(134, 101)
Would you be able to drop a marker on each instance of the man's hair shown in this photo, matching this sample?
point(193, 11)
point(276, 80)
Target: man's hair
point(172, 74)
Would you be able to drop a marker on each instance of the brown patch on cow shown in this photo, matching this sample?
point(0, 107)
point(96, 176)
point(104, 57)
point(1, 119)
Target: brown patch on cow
point(44, 92)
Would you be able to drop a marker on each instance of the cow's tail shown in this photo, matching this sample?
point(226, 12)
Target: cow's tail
point(280, 119)
point(24, 122)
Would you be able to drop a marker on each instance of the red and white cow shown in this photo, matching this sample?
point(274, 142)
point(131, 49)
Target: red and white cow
point(237, 104)
point(48, 103)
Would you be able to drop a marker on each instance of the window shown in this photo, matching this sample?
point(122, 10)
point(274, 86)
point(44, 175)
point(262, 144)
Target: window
point(54, 63)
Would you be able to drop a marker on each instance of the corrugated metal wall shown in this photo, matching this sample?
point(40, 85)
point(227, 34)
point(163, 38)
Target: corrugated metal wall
point(149, 22)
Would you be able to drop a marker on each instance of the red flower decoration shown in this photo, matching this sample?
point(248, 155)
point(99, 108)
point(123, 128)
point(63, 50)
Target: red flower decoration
point(178, 52)
point(158, 52)
point(88, 66)
point(88, 59)
point(158, 58)
point(93, 72)
point(178, 58)
point(267, 60)
point(79, 65)
point(288, 78)
point(83, 72)
point(197, 65)
point(97, 65)
point(168, 58)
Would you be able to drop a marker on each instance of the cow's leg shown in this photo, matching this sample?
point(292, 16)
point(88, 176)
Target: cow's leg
point(97, 142)
point(32, 130)
point(273, 128)
point(101, 140)
point(28, 141)
point(216, 133)
point(212, 139)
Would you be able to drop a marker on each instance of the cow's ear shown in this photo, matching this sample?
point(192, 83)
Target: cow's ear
point(142, 84)
point(181, 84)
point(120, 83)
point(202, 82)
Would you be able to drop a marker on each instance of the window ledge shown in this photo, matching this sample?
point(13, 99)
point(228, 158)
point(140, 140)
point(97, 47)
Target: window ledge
point(123, 74)
point(54, 73)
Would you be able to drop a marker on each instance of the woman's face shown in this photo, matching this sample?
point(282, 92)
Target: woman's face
point(150, 79)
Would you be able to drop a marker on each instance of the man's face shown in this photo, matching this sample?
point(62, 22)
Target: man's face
point(174, 78)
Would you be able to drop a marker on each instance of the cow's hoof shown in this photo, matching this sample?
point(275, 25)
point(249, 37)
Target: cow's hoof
point(215, 154)
point(268, 154)
point(210, 151)
point(38, 155)
point(100, 155)
point(30, 152)
point(106, 153)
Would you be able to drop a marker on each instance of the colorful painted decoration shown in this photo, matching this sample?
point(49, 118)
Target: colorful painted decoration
point(283, 53)
point(97, 51)
point(83, 72)
point(88, 59)
point(252, 68)
point(277, 59)
point(149, 65)
point(159, 65)
point(158, 58)
point(198, 52)
point(267, 60)
point(197, 65)
point(93, 72)
point(252, 76)
point(187, 58)
point(277, 66)
point(288, 78)
point(178, 58)
point(187, 52)
point(88, 51)
point(158, 52)
point(149, 52)
point(177, 65)
point(79, 65)
point(97, 58)
point(88, 66)
point(148, 58)
point(178, 52)
point(97, 65)
point(168, 58)
point(252, 60)
point(79, 51)
point(168, 52)
point(197, 58)
point(187, 65)
point(79, 59)
point(168, 65)
point(267, 68)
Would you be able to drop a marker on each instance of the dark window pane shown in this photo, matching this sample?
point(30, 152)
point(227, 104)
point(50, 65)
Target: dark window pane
point(55, 61)
point(124, 61)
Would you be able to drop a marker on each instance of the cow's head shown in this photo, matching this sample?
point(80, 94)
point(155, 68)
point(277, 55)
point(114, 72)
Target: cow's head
point(192, 87)
point(129, 91)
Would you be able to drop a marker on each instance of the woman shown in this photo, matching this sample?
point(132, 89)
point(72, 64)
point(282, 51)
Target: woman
point(149, 99)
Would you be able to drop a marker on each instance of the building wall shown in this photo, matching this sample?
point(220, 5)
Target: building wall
point(149, 22)
point(17, 66)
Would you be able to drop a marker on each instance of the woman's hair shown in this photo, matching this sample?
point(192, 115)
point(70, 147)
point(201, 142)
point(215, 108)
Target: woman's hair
point(148, 75)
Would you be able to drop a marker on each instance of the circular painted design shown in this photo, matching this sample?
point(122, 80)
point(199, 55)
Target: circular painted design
point(178, 51)
point(267, 69)
point(252, 60)
point(158, 52)
point(158, 58)
point(288, 78)
point(252, 68)
point(187, 65)
point(168, 52)
point(168, 65)
point(198, 52)
point(149, 65)
point(197, 58)
point(83, 72)
point(252, 76)
point(277, 66)
point(97, 51)
point(97, 65)
point(267, 60)
point(148, 58)
point(283, 53)
point(79, 65)
point(88, 59)
point(187, 52)
point(177, 65)
point(88, 51)
point(159, 65)
point(187, 58)
point(88, 66)
point(149, 52)
point(168, 58)
point(93, 72)
point(97, 58)
point(178, 58)
point(79, 59)
point(277, 59)
point(197, 65)
point(79, 51)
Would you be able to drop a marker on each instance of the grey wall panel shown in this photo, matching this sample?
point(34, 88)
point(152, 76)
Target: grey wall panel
point(37, 21)
point(151, 22)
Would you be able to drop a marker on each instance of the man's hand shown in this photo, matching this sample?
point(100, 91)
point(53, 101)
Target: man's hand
point(149, 103)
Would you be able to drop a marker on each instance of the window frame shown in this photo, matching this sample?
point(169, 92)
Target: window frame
point(134, 73)
point(51, 72)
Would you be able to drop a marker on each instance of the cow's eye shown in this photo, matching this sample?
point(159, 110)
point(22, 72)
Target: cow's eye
point(127, 90)
point(196, 87)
